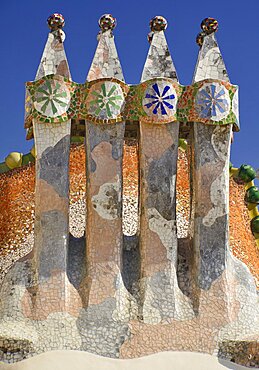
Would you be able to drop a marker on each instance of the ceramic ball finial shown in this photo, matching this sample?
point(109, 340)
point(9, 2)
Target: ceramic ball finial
point(209, 25)
point(56, 21)
point(107, 22)
point(158, 23)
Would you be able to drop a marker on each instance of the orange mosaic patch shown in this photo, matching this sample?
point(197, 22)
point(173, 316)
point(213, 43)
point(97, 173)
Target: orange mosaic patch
point(130, 168)
point(17, 204)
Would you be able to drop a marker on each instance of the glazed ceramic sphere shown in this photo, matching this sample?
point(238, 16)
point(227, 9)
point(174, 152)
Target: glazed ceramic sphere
point(246, 173)
point(158, 23)
point(209, 25)
point(14, 160)
point(252, 195)
point(56, 21)
point(200, 38)
point(107, 22)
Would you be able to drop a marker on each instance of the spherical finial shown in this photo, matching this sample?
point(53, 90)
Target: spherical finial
point(252, 195)
point(107, 22)
point(200, 38)
point(209, 25)
point(56, 21)
point(158, 23)
point(14, 160)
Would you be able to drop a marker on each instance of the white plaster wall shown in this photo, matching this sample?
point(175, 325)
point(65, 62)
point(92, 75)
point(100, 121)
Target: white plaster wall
point(76, 360)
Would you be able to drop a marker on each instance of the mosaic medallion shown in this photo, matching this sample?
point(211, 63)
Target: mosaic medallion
point(55, 99)
point(160, 99)
point(52, 98)
point(212, 102)
point(105, 100)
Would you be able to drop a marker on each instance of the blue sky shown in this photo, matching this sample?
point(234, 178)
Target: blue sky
point(24, 33)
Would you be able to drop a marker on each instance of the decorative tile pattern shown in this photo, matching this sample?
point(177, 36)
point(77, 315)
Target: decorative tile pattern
point(159, 62)
point(212, 101)
point(54, 59)
point(52, 98)
point(210, 63)
point(194, 106)
point(105, 62)
point(130, 180)
point(51, 202)
point(210, 169)
point(17, 242)
point(160, 99)
point(105, 100)
point(107, 22)
point(109, 100)
point(128, 296)
point(209, 25)
point(42, 336)
point(158, 23)
point(56, 21)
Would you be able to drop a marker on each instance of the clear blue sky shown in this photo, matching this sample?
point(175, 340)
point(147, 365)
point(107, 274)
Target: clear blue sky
point(24, 33)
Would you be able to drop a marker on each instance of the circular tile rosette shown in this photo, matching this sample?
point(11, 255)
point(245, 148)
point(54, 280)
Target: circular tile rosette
point(52, 98)
point(160, 100)
point(105, 100)
point(212, 102)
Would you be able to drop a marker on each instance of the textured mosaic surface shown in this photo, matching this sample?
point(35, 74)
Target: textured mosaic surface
point(17, 198)
point(159, 61)
point(130, 217)
point(111, 100)
point(21, 181)
point(160, 99)
point(106, 62)
point(212, 101)
point(211, 176)
point(210, 63)
point(52, 98)
point(105, 100)
point(87, 286)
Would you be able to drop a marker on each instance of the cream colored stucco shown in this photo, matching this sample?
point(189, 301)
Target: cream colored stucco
point(76, 360)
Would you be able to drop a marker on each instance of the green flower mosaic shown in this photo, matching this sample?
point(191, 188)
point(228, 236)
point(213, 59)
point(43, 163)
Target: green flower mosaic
point(52, 98)
point(105, 100)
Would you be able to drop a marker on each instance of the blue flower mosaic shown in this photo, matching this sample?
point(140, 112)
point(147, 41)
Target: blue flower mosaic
point(212, 102)
point(160, 99)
